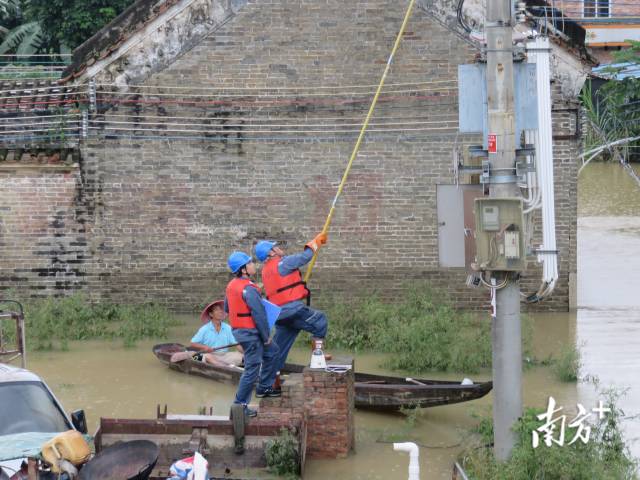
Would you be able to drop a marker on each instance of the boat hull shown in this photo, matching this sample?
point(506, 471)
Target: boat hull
point(372, 392)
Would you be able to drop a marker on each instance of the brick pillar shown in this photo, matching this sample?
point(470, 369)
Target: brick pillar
point(329, 412)
point(326, 403)
point(287, 407)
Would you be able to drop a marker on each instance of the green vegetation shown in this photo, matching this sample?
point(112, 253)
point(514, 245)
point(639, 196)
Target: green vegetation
point(30, 27)
point(54, 321)
point(396, 431)
point(422, 331)
point(282, 454)
point(612, 112)
point(567, 366)
point(79, 21)
point(18, 33)
point(604, 456)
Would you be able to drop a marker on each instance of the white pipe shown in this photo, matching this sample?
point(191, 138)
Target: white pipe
point(538, 52)
point(414, 453)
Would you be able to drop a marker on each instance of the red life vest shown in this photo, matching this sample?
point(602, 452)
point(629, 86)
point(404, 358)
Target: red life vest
point(239, 311)
point(282, 289)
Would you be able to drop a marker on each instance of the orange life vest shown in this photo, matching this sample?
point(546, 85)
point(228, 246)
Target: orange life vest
point(239, 311)
point(282, 289)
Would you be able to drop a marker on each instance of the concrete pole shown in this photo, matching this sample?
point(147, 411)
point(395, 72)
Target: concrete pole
point(506, 334)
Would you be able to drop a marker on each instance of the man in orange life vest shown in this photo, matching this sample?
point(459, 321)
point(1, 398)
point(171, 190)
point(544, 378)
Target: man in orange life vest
point(283, 286)
point(248, 320)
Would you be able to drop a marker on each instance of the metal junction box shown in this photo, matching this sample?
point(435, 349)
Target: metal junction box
point(473, 110)
point(499, 234)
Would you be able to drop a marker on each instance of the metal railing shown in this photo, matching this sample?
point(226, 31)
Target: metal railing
point(18, 350)
point(33, 67)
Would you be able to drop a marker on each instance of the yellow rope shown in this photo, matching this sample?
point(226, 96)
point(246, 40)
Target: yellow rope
point(356, 148)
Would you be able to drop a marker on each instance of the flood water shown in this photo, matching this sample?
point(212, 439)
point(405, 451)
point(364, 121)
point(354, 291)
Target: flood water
point(110, 381)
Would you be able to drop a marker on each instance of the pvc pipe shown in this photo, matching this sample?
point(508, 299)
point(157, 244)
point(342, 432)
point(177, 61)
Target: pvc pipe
point(414, 453)
point(538, 51)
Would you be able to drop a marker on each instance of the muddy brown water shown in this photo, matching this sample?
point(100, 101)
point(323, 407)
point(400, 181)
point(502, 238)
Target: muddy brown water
point(110, 381)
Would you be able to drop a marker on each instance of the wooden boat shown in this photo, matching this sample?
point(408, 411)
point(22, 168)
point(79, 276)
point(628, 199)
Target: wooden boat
point(373, 392)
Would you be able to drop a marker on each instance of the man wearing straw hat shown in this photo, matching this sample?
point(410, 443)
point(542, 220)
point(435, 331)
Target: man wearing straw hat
point(215, 334)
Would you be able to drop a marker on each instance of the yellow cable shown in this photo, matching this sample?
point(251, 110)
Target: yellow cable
point(356, 148)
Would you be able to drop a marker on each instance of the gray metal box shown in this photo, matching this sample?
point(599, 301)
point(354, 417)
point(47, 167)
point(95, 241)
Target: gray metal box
point(499, 234)
point(472, 98)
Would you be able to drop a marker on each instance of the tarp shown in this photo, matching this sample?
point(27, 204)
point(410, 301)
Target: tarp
point(617, 71)
point(22, 445)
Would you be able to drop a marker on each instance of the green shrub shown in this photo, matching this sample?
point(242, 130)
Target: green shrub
point(54, 321)
point(282, 455)
point(604, 456)
point(422, 331)
point(567, 366)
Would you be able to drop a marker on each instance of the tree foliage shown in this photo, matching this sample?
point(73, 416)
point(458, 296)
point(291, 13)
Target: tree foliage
point(18, 34)
point(614, 111)
point(605, 456)
point(71, 22)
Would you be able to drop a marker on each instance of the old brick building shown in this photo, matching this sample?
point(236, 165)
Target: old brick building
point(205, 125)
point(608, 25)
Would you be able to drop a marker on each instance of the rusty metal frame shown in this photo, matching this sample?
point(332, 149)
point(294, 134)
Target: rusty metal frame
point(8, 354)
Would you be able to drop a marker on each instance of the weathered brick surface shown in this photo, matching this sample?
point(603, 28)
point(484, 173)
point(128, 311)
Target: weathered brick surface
point(329, 411)
point(326, 403)
point(43, 246)
point(290, 405)
point(162, 215)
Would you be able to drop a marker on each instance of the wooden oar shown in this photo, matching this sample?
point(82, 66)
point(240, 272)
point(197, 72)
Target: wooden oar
point(411, 380)
point(188, 354)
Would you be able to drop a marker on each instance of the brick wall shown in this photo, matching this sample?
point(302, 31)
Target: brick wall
point(163, 214)
point(42, 235)
point(326, 403)
point(575, 9)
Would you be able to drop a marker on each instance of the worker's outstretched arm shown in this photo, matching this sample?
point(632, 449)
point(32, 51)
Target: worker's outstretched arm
point(293, 262)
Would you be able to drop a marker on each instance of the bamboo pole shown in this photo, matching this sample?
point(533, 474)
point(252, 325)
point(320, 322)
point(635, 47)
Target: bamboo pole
point(356, 147)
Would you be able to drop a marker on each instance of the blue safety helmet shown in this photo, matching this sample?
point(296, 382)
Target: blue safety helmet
point(237, 260)
point(263, 248)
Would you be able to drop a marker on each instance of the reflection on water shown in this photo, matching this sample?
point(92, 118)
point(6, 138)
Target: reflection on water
point(605, 189)
point(110, 381)
point(608, 324)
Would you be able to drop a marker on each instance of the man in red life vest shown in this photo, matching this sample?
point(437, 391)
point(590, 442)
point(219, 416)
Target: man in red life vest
point(248, 320)
point(283, 286)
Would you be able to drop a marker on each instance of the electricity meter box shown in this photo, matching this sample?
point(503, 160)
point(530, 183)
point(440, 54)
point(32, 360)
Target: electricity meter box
point(499, 234)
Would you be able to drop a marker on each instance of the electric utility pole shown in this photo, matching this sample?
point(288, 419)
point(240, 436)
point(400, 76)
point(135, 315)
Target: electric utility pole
point(506, 334)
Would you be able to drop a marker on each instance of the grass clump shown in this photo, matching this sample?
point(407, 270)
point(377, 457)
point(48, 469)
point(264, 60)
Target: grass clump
point(54, 321)
point(282, 455)
point(604, 457)
point(567, 366)
point(423, 331)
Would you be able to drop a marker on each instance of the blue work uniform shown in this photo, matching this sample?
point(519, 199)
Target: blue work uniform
point(296, 316)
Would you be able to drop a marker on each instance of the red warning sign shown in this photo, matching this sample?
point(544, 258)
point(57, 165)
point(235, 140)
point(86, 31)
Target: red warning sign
point(492, 143)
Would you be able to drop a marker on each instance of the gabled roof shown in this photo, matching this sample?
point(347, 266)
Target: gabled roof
point(35, 96)
point(114, 34)
point(147, 37)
